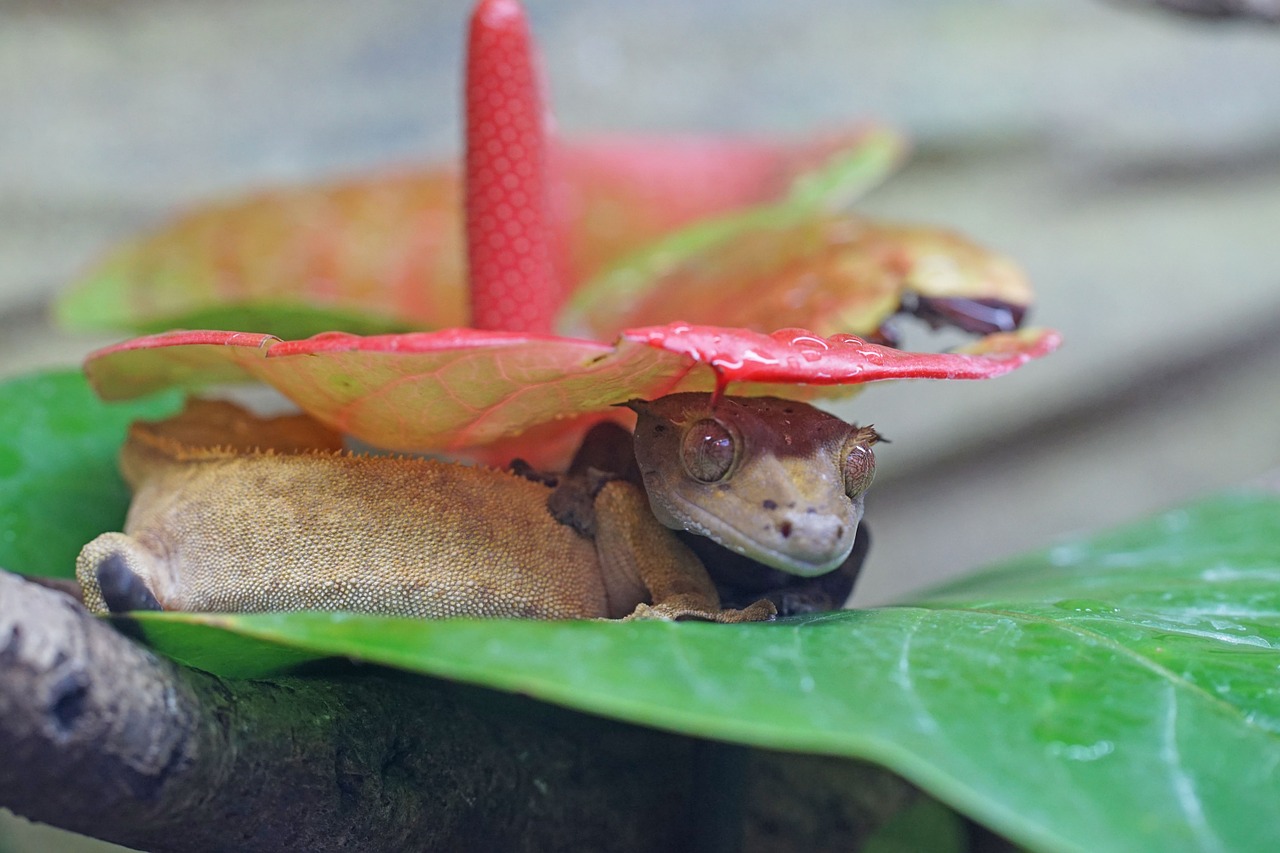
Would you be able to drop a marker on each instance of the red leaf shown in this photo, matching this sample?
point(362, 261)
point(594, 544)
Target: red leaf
point(798, 355)
point(463, 388)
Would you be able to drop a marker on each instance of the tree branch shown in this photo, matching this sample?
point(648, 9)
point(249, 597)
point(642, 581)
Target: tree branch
point(104, 738)
point(1260, 11)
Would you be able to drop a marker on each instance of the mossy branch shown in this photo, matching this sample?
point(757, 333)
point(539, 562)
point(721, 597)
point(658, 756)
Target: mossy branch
point(105, 738)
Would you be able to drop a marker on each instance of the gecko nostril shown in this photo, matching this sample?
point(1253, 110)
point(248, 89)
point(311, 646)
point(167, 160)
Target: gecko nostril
point(840, 531)
point(768, 504)
point(785, 529)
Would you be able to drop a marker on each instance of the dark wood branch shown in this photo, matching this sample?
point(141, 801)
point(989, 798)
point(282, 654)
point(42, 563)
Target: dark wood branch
point(102, 737)
point(1263, 11)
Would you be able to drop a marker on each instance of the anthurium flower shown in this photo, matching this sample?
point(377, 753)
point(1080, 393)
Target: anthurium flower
point(652, 310)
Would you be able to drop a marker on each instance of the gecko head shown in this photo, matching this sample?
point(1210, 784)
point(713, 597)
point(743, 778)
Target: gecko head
point(776, 480)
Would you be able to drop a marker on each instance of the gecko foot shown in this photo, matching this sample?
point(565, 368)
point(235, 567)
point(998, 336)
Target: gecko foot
point(675, 609)
point(122, 590)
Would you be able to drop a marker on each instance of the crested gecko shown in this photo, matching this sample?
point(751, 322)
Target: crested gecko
point(237, 513)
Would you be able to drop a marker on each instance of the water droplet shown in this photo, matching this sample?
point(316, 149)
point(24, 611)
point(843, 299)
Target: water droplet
point(1085, 605)
point(803, 339)
point(1080, 751)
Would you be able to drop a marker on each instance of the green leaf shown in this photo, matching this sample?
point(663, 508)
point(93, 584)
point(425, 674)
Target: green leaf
point(803, 262)
point(281, 318)
point(848, 175)
point(1115, 694)
point(925, 825)
point(59, 486)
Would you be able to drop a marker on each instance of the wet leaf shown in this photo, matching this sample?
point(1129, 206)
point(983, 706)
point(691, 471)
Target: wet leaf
point(59, 486)
point(463, 388)
point(801, 356)
point(1113, 694)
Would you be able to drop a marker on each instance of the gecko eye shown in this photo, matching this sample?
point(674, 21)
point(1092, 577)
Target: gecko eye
point(708, 451)
point(859, 470)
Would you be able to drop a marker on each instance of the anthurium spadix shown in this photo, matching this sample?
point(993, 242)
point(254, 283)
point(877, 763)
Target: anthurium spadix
point(670, 264)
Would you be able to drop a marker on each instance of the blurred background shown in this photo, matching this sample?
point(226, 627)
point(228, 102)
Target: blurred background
point(1128, 158)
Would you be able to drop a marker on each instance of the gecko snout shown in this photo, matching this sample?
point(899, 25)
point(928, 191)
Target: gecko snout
point(810, 542)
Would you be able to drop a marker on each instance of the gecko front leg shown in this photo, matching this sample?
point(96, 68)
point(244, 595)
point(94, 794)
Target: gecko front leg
point(640, 559)
point(605, 455)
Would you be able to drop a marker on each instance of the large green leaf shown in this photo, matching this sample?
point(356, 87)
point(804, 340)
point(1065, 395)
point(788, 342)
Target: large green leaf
point(1115, 694)
point(59, 486)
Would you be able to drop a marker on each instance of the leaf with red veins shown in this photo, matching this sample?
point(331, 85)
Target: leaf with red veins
point(379, 254)
point(442, 390)
point(671, 182)
point(463, 388)
point(385, 253)
point(830, 274)
point(792, 356)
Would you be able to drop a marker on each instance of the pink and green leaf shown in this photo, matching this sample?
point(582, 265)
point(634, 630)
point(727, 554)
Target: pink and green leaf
point(385, 253)
point(797, 262)
point(375, 255)
point(539, 218)
point(799, 356)
point(463, 388)
point(688, 184)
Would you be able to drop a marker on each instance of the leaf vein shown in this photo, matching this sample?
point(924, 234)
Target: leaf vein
point(1183, 785)
point(903, 678)
point(1169, 675)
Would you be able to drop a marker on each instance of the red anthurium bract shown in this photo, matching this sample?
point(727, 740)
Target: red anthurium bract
point(507, 374)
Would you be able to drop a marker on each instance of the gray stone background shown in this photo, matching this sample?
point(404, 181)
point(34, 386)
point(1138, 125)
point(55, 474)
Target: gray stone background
point(1129, 159)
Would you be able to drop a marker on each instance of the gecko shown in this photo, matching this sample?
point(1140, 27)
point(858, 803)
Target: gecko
point(783, 522)
point(232, 512)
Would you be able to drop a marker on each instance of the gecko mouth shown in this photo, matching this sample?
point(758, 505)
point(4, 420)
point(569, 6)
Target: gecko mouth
point(800, 561)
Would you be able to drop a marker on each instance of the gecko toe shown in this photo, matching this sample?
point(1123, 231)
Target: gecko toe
point(122, 590)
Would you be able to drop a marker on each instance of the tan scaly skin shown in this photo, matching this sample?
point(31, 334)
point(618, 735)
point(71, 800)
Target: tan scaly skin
point(241, 514)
